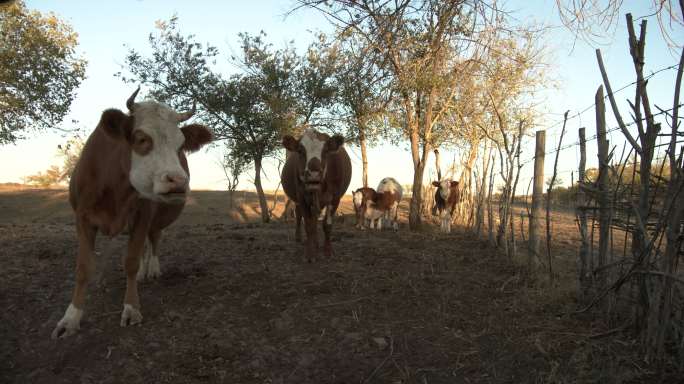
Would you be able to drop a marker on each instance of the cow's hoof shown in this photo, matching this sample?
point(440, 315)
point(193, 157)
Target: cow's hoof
point(130, 316)
point(69, 324)
point(153, 269)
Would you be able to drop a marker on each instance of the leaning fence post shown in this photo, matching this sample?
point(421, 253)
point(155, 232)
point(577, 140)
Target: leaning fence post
point(537, 200)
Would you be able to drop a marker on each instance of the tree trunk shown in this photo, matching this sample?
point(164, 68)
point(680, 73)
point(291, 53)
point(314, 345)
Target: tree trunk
point(481, 196)
point(364, 154)
point(418, 167)
point(437, 165)
point(465, 208)
point(417, 197)
point(265, 217)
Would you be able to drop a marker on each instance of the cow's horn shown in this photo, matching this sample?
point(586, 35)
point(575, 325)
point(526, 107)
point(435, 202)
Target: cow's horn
point(186, 115)
point(131, 100)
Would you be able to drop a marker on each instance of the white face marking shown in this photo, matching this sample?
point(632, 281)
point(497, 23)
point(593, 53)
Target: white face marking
point(357, 198)
point(148, 172)
point(445, 189)
point(70, 322)
point(312, 145)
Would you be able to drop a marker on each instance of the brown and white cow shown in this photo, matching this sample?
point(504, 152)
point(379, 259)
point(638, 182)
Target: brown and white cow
point(316, 175)
point(378, 207)
point(390, 203)
point(132, 172)
point(446, 198)
point(359, 198)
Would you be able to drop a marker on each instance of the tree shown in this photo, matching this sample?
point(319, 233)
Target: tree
point(69, 153)
point(276, 92)
point(232, 168)
point(591, 20)
point(426, 46)
point(363, 94)
point(39, 70)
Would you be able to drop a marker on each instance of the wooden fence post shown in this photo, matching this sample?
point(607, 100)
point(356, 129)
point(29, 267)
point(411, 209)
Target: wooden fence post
point(582, 218)
point(537, 201)
point(604, 198)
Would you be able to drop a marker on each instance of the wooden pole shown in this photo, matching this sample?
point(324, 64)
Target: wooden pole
point(548, 198)
point(582, 218)
point(604, 203)
point(537, 200)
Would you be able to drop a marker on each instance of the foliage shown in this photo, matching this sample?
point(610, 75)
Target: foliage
point(69, 153)
point(594, 21)
point(39, 70)
point(363, 90)
point(51, 177)
point(276, 92)
point(427, 48)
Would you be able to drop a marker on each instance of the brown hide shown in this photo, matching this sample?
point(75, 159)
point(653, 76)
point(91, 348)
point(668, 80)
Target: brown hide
point(333, 187)
point(384, 201)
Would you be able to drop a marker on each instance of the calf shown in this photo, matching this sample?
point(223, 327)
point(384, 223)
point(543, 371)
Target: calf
point(446, 198)
point(359, 198)
point(390, 186)
point(316, 175)
point(132, 171)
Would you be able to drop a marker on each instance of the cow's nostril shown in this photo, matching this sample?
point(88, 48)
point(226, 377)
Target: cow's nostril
point(176, 180)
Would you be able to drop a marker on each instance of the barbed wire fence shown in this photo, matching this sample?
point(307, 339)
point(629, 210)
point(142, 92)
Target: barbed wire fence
point(619, 205)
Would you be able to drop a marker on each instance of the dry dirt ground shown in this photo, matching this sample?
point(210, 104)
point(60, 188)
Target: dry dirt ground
point(236, 304)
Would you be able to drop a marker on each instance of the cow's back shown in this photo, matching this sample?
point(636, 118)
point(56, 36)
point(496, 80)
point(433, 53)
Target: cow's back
point(390, 184)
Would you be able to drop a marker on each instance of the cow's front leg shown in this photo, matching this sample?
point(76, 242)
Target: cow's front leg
point(446, 222)
point(298, 229)
point(71, 321)
point(136, 243)
point(327, 230)
point(311, 247)
point(149, 262)
point(394, 216)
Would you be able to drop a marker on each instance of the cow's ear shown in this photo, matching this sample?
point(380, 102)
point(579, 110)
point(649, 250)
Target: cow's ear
point(335, 142)
point(454, 184)
point(290, 143)
point(435, 183)
point(116, 124)
point(196, 136)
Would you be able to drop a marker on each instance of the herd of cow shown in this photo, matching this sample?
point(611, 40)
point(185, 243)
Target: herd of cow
point(133, 173)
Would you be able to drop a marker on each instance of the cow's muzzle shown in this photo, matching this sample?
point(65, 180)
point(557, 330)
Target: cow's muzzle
point(173, 189)
point(312, 180)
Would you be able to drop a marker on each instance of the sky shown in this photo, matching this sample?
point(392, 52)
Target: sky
point(108, 29)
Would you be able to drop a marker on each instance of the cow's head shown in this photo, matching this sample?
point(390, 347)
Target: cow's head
point(444, 187)
point(313, 149)
point(357, 198)
point(158, 168)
